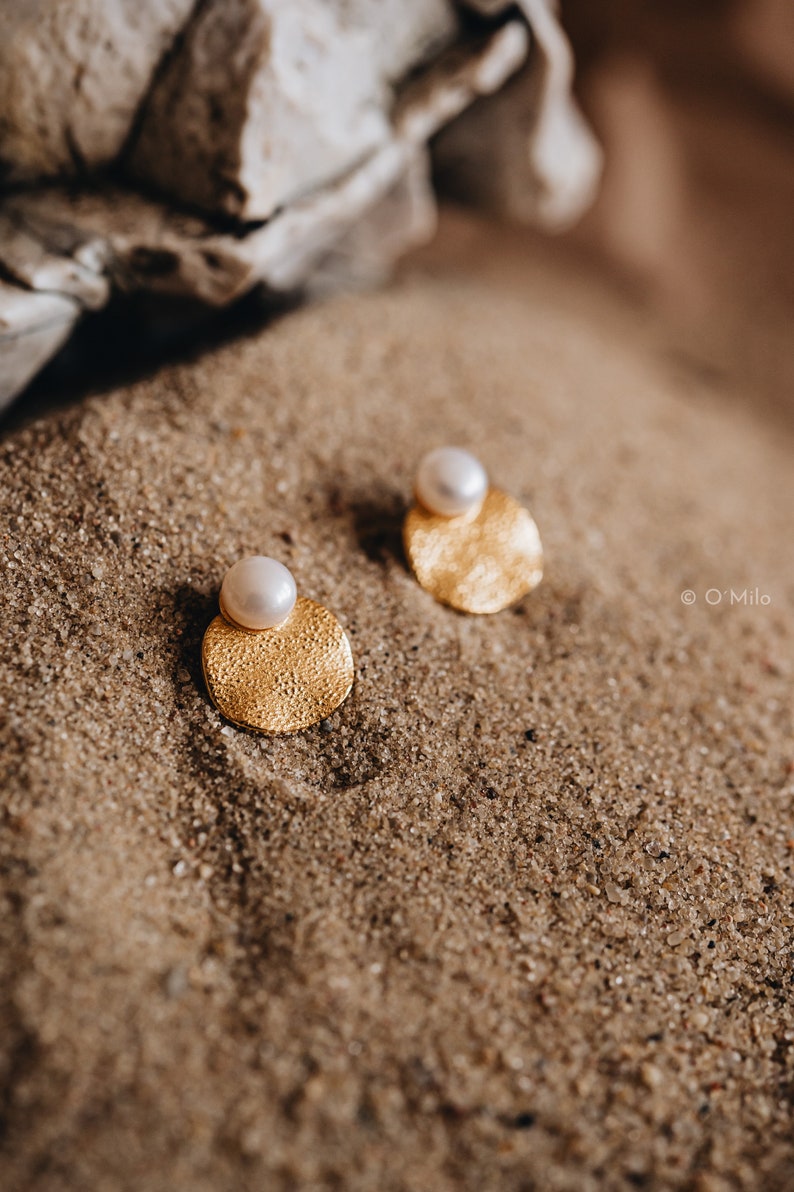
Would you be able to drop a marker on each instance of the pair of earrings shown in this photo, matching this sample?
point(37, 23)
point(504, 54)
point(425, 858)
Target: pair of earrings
point(277, 662)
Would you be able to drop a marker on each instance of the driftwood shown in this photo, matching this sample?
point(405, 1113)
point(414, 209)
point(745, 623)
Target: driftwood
point(262, 142)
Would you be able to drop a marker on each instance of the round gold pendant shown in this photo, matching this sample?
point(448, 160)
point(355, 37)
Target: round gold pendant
point(283, 679)
point(480, 562)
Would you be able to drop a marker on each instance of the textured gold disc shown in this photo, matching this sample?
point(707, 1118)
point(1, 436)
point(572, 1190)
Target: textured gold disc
point(279, 680)
point(480, 563)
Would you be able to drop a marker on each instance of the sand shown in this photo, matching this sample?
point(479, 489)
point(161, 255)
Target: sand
point(518, 915)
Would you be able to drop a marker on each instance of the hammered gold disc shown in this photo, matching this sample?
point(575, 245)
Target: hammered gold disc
point(480, 563)
point(279, 680)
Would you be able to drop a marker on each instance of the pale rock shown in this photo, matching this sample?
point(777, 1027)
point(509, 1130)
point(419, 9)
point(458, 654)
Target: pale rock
point(333, 175)
point(270, 99)
point(364, 254)
point(72, 76)
point(527, 152)
point(35, 264)
point(33, 326)
point(56, 238)
point(402, 34)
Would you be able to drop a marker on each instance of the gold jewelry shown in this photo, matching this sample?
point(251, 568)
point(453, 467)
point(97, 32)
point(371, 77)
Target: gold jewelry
point(274, 661)
point(470, 546)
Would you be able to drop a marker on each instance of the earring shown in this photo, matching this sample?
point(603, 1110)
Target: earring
point(274, 661)
point(469, 545)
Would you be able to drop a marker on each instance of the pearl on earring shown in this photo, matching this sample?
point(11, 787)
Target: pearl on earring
point(470, 545)
point(451, 482)
point(258, 593)
point(274, 661)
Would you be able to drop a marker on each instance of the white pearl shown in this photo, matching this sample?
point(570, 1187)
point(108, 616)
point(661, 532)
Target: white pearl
point(451, 481)
point(258, 593)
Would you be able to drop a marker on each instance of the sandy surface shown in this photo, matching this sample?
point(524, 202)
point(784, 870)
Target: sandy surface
point(519, 915)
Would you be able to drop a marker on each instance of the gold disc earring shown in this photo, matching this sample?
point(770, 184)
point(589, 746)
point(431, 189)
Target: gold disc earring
point(469, 545)
point(274, 661)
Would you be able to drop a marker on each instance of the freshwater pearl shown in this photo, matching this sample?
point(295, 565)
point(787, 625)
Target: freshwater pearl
point(450, 482)
point(258, 593)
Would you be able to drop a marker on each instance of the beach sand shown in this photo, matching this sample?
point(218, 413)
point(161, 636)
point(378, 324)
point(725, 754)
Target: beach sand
point(517, 916)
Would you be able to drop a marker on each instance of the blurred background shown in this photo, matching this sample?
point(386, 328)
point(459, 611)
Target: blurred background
point(694, 105)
